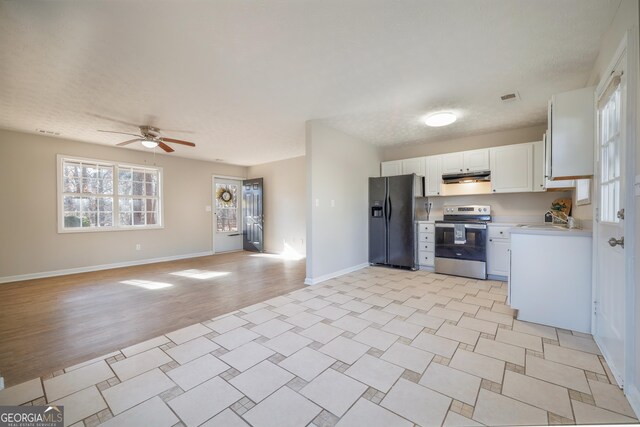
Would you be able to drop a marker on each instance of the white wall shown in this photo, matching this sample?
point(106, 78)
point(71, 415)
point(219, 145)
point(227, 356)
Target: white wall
point(284, 203)
point(627, 18)
point(29, 241)
point(338, 168)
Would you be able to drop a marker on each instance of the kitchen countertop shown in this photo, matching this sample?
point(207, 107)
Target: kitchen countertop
point(550, 230)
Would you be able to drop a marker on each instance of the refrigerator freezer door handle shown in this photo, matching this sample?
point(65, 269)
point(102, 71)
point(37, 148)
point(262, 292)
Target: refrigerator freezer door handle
point(389, 211)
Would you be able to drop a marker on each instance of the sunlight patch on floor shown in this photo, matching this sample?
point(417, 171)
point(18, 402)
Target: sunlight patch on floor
point(147, 284)
point(200, 274)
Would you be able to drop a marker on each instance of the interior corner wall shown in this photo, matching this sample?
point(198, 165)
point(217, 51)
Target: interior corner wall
point(285, 198)
point(29, 240)
point(338, 171)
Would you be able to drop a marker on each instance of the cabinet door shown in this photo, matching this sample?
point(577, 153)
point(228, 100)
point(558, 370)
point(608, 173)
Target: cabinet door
point(572, 133)
point(476, 160)
point(392, 168)
point(538, 166)
point(453, 163)
point(512, 168)
point(416, 166)
point(498, 257)
point(434, 176)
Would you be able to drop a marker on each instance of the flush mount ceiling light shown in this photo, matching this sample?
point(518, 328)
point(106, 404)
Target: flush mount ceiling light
point(149, 143)
point(442, 118)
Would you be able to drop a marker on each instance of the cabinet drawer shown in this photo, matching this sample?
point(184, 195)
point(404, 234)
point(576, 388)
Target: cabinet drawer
point(500, 231)
point(426, 246)
point(426, 228)
point(426, 258)
point(426, 237)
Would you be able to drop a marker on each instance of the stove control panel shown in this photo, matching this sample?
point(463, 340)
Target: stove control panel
point(468, 210)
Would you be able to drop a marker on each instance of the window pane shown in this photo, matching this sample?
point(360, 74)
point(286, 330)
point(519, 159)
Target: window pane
point(71, 204)
point(138, 205)
point(90, 219)
point(138, 218)
point(71, 185)
point(106, 172)
point(72, 170)
point(152, 205)
point(138, 175)
point(126, 205)
point(151, 218)
point(105, 219)
point(125, 218)
point(124, 174)
point(226, 220)
point(72, 220)
point(151, 189)
point(124, 188)
point(105, 204)
point(138, 188)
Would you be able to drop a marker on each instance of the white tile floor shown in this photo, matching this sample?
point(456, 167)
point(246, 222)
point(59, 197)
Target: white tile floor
point(377, 347)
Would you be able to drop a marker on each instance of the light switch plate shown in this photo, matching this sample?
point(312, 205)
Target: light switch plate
point(207, 208)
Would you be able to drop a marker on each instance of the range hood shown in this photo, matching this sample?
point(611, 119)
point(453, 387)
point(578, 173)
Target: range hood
point(463, 178)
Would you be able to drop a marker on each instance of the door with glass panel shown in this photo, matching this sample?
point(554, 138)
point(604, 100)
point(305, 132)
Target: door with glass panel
point(227, 215)
point(609, 286)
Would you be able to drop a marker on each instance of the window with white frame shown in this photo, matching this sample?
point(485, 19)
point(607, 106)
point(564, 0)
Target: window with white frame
point(609, 114)
point(97, 195)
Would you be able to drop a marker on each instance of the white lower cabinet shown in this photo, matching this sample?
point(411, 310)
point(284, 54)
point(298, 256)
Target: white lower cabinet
point(426, 243)
point(498, 250)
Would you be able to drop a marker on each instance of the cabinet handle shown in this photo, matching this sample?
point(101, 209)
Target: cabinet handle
point(460, 170)
point(494, 191)
point(491, 240)
point(501, 232)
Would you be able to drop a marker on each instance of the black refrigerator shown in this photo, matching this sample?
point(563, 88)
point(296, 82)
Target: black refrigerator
point(392, 231)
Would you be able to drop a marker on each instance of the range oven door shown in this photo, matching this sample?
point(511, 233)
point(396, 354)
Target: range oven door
point(474, 248)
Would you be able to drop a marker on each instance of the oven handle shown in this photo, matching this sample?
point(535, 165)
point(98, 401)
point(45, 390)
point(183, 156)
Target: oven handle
point(471, 226)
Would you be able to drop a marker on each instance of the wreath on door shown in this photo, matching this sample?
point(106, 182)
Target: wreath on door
point(224, 196)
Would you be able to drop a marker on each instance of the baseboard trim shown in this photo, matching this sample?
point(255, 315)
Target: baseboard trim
point(325, 277)
point(633, 394)
point(64, 272)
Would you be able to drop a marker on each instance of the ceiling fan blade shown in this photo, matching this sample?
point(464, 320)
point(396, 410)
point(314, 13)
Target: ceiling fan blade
point(128, 142)
point(178, 141)
point(122, 133)
point(165, 147)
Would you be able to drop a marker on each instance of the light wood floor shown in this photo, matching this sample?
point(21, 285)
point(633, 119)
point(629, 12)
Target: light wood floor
point(49, 324)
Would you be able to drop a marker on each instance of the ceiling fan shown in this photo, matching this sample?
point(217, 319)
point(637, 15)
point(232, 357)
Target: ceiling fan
point(150, 138)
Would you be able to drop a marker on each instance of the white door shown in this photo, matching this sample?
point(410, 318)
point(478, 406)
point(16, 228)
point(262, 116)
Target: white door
point(609, 286)
point(227, 195)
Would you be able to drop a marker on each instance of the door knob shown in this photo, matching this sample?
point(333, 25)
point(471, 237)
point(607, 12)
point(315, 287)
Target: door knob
point(613, 242)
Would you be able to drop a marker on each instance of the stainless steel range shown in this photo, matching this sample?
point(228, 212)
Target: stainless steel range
point(461, 241)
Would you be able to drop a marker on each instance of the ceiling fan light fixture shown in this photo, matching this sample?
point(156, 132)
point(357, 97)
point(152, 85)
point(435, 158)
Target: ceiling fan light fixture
point(442, 118)
point(149, 143)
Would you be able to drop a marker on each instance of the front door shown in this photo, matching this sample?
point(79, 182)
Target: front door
point(227, 215)
point(609, 288)
point(253, 216)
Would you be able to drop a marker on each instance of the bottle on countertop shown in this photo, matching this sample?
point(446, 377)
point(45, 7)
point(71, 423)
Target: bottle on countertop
point(548, 217)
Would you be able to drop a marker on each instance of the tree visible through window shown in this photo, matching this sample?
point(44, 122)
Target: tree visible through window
point(101, 195)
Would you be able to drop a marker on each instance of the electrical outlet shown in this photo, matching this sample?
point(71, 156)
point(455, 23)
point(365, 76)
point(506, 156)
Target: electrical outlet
point(317, 202)
point(138, 246)
point(333, 203)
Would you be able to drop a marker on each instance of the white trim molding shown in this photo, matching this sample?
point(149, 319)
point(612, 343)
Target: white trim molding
point(325, 277)
point(64, 272)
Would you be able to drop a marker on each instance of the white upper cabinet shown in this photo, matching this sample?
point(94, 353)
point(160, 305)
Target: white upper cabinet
point(434, 175)
point(391, 168)
point(476, 160)
point(466, 161)
point(512, 168)
point(572, 134)
point(416, 166)
point(538, 167)
point(452, 163)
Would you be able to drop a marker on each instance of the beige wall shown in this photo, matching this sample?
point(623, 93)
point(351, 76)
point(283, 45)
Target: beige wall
point(513, 136)
point(29, 241)
point(338, 169)
point(284, 203)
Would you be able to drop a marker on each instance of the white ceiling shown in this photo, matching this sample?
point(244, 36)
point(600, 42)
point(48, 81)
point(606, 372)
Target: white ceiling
point(245, 75)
